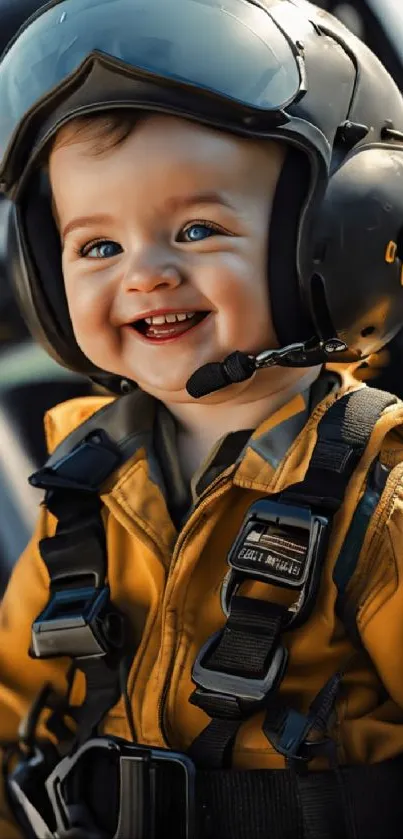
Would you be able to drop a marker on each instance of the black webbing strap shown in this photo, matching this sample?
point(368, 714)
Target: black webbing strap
point(265, 804)
point(249, 640)
point(77, 551)
point(343, 434)
point(248, 633)
point(244, 649)
point(79, 620)
point(251, 804)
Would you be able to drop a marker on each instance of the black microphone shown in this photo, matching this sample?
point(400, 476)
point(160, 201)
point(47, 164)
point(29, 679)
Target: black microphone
point(238, 366)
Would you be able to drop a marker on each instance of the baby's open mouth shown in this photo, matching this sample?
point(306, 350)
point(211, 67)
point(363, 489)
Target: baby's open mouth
point(169, 325)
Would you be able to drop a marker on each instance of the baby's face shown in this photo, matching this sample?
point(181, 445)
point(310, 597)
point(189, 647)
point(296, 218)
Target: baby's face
point(165, 241)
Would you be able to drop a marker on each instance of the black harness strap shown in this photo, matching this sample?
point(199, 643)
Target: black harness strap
point(232, 676)
point(238, 671)
point(343, 434)
point(250, 637)
point(79, 620)
point(236, 803)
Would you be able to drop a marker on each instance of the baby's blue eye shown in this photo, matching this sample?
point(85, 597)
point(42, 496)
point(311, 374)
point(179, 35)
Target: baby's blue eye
point(102, 250)
point(198, 232)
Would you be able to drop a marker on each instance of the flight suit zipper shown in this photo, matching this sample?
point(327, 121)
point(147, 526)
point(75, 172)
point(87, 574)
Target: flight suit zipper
point(211, 494)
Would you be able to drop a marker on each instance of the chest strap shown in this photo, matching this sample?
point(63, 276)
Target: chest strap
point(283, 542)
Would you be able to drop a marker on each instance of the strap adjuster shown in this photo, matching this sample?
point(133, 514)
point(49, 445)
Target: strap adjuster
point(140, 771)
point(77, 622)
point(280, 544)
point(84, 468)
point(241, 695)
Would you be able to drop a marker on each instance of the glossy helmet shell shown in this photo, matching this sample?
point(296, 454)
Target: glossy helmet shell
point(12, 16)
point(336, 235)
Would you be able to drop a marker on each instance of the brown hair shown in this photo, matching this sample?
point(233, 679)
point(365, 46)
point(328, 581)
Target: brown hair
point(105, 130)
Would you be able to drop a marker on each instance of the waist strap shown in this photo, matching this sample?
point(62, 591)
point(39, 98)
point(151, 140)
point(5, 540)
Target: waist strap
point(229, 803)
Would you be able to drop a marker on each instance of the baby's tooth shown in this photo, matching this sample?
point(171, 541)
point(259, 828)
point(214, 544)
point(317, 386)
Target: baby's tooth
point(158, 320)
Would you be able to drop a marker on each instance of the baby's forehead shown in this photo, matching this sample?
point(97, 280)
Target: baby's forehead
point(101, 136)
point(149, 150)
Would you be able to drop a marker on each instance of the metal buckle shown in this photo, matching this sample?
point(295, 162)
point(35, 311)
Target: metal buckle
point(249, 558)
point(138, 781)
point(26, 786)
point(78, 623)
point(252, 693)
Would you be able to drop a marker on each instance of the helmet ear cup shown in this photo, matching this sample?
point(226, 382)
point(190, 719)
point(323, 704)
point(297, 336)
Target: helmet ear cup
point(46, 251)
point(290, 317)
point(358, 250)
point(42, 256)
point(399, 242)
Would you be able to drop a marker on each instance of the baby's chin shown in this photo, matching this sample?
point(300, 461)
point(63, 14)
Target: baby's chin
point(156, 383)
point(176, 395)
point(168, 385)
point(167, 392)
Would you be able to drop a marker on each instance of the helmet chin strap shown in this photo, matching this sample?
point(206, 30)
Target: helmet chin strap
point(239, 366)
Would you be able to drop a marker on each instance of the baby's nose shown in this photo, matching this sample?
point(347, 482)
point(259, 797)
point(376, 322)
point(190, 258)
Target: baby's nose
point(149, 277)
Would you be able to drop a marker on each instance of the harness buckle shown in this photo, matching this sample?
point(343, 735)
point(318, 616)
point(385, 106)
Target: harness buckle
point(279, 544)
point(26, 788)
point(139, 772)
point(77, 622)
point(242, 695)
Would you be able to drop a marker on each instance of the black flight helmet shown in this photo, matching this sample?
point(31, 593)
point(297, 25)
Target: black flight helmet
point(271, 69)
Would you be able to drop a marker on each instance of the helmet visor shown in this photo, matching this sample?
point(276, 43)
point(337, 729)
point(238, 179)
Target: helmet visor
point(233, 49)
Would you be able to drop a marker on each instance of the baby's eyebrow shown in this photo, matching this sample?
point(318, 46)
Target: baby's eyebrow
point(180, 202)
point(85, 221)
point(171, 205)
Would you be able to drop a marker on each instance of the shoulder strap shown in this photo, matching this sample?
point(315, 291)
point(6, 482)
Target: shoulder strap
point(79, 620)
point(343, 435)
point(239, 670)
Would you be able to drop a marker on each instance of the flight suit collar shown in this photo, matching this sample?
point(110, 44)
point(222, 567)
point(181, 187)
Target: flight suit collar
point(269, 442)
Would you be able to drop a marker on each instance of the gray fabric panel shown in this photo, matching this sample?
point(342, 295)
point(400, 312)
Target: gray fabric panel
point(126, 421)
point(273, 445)
point(129, 422)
